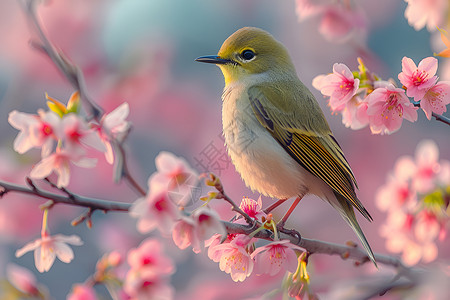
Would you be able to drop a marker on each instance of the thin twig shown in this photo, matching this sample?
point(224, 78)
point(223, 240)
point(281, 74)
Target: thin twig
point(438, 117)
point(75, 200)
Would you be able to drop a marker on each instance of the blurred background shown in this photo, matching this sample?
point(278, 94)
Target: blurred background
point(142, 52)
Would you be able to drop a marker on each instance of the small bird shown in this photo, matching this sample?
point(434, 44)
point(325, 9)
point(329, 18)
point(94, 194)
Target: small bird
point(275, 132)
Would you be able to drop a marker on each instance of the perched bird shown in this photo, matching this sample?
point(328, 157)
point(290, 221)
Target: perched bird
point(276, 133)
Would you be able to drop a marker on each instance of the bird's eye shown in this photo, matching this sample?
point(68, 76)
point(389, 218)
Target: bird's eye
point(247, 54)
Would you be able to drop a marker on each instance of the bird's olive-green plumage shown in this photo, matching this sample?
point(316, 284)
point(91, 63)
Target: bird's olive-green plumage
point(259, 73)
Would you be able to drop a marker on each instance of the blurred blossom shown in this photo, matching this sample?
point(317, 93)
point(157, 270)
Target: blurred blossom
point(429, 13)
point(339, 21)
point(388, 107)
point(77, 133)
point(149, 271)
point(22, 279)
point(414, 199)
point(115, 124)
point(446, 41)
point(82, 292)
point(176, 176)
point(35, 130)
point(418, 79)
point(59, 162)
point(194, 230)
point(48, 247)
point(275, 257)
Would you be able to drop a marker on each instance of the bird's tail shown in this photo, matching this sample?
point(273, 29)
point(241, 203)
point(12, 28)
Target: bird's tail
point(347, 213)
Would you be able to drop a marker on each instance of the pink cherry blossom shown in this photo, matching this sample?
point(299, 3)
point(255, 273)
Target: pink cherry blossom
point(48, 247)
point(150, 267)
point(252, 208)
point(116, 125)
point(76, 133)
point(387, 107)
point(155, 210)
point(35, 130)
point(82, 292)
point(183, 233)
point(340, 86)
point(339, 22)
point(59, 162)
point(429, 13)
point(203, 224)
point(150, 256)
point(22, 279)
point(233, 258)
point(427, 166)
point(418, 79)
point(354, 114)
point(140, 285)
point(176, 176)
point(275, 257)
point(436, 99)
point(309, 8)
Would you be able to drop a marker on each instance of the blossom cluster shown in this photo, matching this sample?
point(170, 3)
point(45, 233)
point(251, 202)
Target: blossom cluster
point(236, 254)
point(339, 20)
point(63, 136)
point(416, 199)
point(364, 99)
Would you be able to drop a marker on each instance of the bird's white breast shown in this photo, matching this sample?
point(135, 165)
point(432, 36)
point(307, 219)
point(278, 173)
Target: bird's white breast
point(263, 164)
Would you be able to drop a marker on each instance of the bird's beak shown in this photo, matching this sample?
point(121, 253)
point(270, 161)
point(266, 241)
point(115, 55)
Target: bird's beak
point(214, 59)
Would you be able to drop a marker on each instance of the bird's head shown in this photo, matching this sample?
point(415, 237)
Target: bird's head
point(250, 51)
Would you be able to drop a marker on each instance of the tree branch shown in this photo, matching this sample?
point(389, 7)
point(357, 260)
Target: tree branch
point(310, 245)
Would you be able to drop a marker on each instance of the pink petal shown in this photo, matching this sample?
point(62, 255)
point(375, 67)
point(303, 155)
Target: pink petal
point(429, 65)
point(28, 247)
point(408, 66)
point(44, 168)
point(44, 257)
point(63, 252)
point(115, 120)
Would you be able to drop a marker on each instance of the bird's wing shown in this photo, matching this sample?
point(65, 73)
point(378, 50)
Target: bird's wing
point(301, 129)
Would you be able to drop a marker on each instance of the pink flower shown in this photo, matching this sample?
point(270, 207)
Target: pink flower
point(436, 99)
point(430, 13)
point(427, 166)
point(233, 258)
point(48, 247)
point(59, 162)
point(149, 256)
point(149, 271)
point(156, 210)
point(76, 133)
point(354, 114)
point(142, 286)
point(176, 176)
point(308, 8)
point(82, 292)
point(252, 207)
point(387, 108)
point(340, 86)
point(22, 279)
point(339, 22)
point(115, 123)
point(35, 130)
point(275, 257)
point(194, 231)
point(418, 80)
point(183, 233)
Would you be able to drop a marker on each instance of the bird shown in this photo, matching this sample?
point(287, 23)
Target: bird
point(275, 131)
